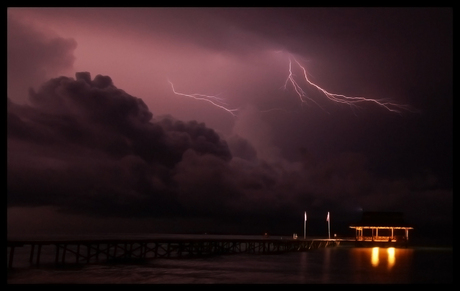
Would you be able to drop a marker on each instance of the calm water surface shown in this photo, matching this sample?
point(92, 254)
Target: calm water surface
point(341, 264)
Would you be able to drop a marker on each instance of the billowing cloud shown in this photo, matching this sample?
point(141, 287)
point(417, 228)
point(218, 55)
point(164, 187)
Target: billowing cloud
point(80, 144)
point(75, 125)
point(86, 147)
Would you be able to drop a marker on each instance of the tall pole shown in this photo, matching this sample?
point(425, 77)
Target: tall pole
point(305, 226)
point(328, 225)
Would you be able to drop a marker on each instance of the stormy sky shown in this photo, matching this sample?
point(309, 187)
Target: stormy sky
point(203, 120)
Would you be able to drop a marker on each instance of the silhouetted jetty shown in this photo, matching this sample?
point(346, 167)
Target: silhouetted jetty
point(139, 250)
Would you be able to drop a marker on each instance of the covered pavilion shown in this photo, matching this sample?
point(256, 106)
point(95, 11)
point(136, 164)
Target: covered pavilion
point(381, 227)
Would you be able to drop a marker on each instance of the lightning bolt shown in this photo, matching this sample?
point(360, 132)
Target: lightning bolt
point(351, 101)
point(338, 98)
point(298, 89)
point(214, 100)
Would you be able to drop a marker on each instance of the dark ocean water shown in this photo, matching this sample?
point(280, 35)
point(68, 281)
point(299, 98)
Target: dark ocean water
point(334, 265)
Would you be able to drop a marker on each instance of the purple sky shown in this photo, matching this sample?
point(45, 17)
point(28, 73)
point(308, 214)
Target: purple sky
point(98, 140)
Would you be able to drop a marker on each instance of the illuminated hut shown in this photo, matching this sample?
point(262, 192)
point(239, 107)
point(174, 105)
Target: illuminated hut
point(381, 227)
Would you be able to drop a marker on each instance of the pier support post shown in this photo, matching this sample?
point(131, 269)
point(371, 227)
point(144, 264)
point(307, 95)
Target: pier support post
point(39, 251)
point(10, 262)
point(97, 252)
point(108, 251)
point(63, 253)
point(32, 249)
point(77, 255)
point(88, 253)
point(56, 260)
point(115, 251)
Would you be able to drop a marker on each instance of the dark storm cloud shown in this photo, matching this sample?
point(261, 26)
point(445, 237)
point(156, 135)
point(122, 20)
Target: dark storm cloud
point(87, 147)
point(241, 148)
point(34, 56)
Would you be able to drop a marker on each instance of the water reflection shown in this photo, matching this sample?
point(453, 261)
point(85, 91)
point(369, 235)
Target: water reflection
point(330, 265)
point(391, 257)
point(380, 265)
point(375, 257)
point(327, 265)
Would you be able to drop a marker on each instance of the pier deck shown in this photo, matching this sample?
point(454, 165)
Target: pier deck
point(137, 250)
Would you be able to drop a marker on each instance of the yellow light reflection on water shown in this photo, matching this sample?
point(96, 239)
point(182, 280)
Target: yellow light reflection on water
point(375, 256)
point(391, 257)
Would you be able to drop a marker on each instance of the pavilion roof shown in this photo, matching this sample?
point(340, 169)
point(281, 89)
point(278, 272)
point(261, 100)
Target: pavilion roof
point(377, 218)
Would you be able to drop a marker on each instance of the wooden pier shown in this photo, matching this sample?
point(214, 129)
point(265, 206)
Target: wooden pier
point(140, 250)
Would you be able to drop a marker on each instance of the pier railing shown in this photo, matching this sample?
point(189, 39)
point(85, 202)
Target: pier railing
point(138, 250)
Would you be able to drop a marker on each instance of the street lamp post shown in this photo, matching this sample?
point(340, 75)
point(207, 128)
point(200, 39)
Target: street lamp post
point(305, 226)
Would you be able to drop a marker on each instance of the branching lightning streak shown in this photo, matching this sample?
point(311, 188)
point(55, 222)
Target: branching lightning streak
point(300, 92)
point(339, 98)
point(351, 101)
point(214, 100)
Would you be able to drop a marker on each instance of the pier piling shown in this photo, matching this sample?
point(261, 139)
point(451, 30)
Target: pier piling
point(142, 249)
